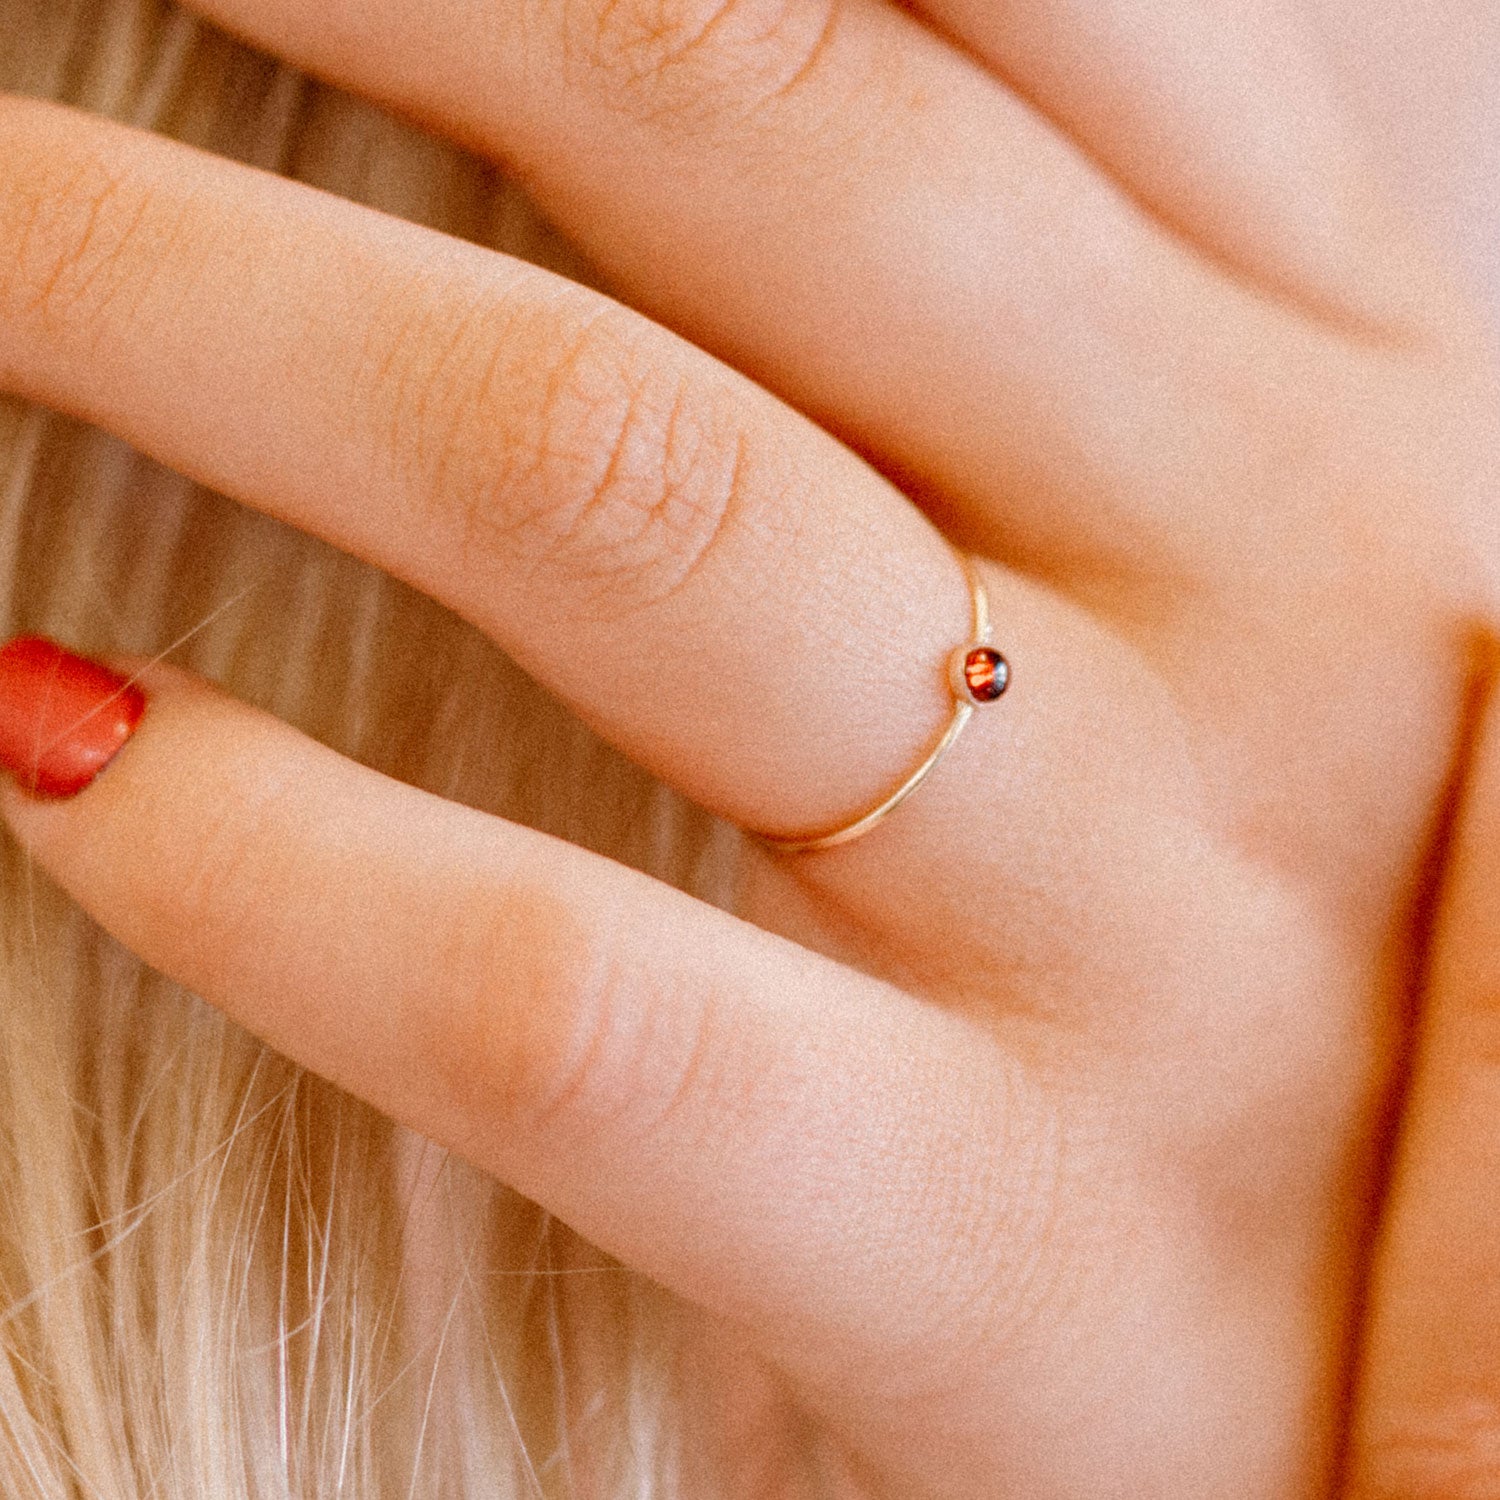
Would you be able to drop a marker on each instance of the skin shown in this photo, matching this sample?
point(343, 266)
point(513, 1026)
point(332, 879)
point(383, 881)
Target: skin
point(1427, 1422)
point(1427, 78)
point(1029, 1145)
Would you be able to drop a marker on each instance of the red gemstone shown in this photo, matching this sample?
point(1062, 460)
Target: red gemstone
point(986, 674)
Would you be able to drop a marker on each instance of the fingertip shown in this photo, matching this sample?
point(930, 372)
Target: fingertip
point(63, 717)
point(67, 725)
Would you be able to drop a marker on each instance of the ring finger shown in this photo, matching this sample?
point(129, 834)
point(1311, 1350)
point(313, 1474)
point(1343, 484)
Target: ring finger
point(717, 586)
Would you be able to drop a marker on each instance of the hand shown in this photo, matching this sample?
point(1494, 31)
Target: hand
point(1025, 1145)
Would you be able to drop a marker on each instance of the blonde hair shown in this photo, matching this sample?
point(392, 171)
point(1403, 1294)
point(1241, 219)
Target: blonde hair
point(219, 1276)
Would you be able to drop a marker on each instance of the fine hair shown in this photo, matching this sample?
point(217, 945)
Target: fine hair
point(220, 1276)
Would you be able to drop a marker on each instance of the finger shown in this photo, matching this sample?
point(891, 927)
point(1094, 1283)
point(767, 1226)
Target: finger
point(1224, 120)
point(1428, 1415)
point(711, 582)
point(838, 203)
point(861, 1181)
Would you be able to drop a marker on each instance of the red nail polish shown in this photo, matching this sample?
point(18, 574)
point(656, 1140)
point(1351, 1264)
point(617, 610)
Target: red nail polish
point(61, 717)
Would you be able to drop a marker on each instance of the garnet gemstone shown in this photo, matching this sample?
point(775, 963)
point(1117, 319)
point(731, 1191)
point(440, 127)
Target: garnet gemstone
point(986, 674)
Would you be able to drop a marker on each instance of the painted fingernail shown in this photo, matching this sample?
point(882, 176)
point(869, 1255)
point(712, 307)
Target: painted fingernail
point(62, 718)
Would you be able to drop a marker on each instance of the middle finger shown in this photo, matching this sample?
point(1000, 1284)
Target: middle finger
point(844, 206)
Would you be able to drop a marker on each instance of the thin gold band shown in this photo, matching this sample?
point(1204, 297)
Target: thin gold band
point(963, 706)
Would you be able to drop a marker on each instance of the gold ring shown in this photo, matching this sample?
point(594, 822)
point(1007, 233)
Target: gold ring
point(977, 674)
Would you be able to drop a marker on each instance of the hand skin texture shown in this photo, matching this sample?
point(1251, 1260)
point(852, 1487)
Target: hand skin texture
point(1427, 1418)
point(1030, 1145)
point(1427, 80)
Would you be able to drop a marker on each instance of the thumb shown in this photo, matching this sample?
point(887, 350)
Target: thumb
point(1427, 1419)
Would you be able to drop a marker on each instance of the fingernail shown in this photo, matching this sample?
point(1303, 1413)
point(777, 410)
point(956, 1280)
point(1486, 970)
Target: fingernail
point(62, 718)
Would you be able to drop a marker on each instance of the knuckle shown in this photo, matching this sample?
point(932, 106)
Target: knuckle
point(76, 226)
point(579, 459)
point(543, 1030)
point(509, 971)
point(1449, 1454)
point(593, 1074)
point(635, 474)
point(697, 64)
